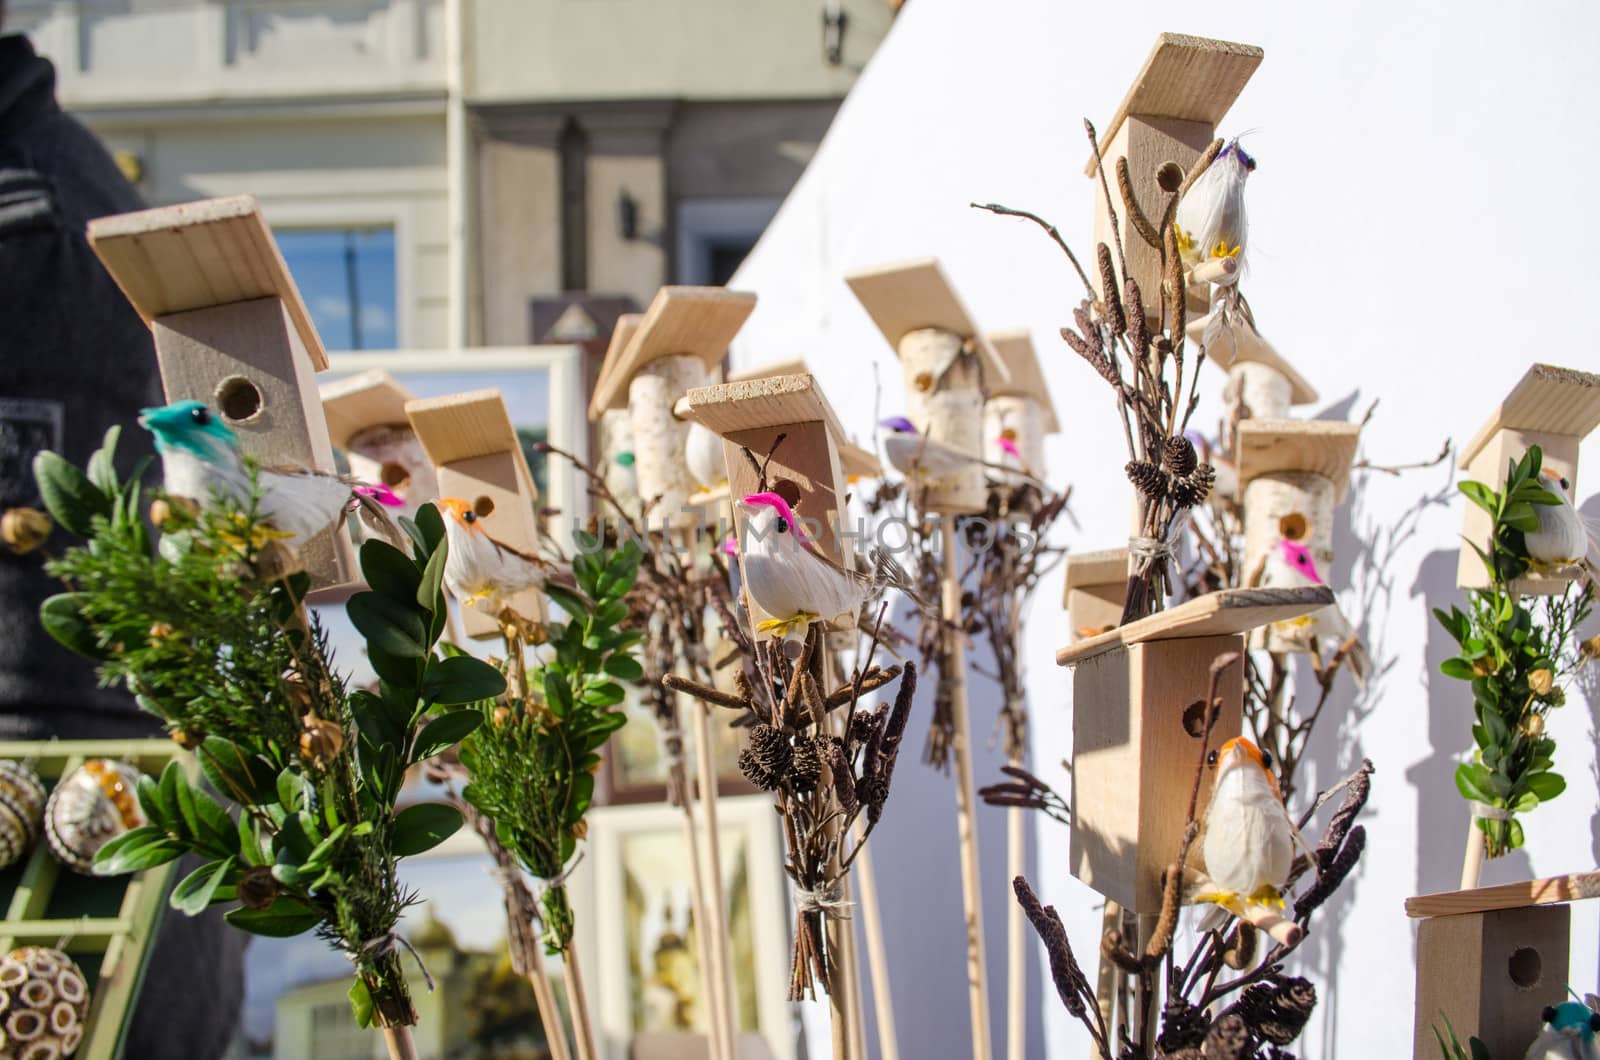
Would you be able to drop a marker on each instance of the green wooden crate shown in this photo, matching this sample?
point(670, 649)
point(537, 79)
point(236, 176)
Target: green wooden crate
point(108, 923)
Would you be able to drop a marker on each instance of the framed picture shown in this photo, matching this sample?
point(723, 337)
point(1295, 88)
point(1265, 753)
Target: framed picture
point(636, 762)
point(634, 917)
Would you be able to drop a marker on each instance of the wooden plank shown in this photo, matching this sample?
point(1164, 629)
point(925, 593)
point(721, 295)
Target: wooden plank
point(470, 424)
point(368, 399)
point(858, 463)
point(681, 321)
point(1105, 567)
point(1015, 347)
point(1546, 400)
point(1184, 78)
point(616, 396)
point(1244, 343)
point(793, 366)
point(911, 295)
point(200, 254)
point(1548, 891)
point(1322, 447)
point(1214, 614)
point(770, 401)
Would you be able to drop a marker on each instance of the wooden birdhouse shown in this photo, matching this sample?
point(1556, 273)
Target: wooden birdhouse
point(478, 458)
point(1553, 408)
point(613, 426)
point(1095, 592)
point(805, 468)
point(232, 331)
point(683, 336)
point(1490, 959)
point(1292, 474)
point(366, 416)
point(1018, 413)
point(1132, 756)
point(1170, 114)
point(947, 366)
point(1262, 384)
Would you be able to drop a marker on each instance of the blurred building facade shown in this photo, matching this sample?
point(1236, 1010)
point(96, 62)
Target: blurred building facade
point(452, 173)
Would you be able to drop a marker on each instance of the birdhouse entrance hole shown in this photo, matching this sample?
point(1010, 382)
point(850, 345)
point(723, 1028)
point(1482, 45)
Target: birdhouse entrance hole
point(788, 490)
point(483, 506)
point(394, 475)
point(239, 399)
point(1525, 967)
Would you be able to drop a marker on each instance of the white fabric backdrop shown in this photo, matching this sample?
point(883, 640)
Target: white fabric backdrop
point(1418, 235)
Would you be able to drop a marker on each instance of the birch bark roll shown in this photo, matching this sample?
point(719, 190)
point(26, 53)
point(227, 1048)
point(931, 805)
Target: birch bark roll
point(660, 438)
point(1254, 391)
point(617, 458)
point(1024, 420)
point(1268, 499)
point(394, 456)
point(944, 400)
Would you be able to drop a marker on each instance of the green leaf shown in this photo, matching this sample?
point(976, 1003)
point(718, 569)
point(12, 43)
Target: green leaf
point(1481, 495)
point(431, 523)
point(245, 778)
point(388, 625)
point(1480, 1051)
point(208, 822)
point(608, 694)
point(291, 791)
point(557, 696)
point(423, 826)
point(388, 571)
point(72, 499)
point(462, 679)
point(611, 614)
point(402, 672)
point(62, 618)
point(1473, 783)
point(374, 721)
point(1545, 786)
point(445, 732)
point(196, 890)
point(361, 1002)
point(1458, 668)
point(138, 849)
point(582, 795)
point(624, 668)
point(569, 601)
point(283, 919)
point(1521, 516)
point(431, 584)
point(102, 471)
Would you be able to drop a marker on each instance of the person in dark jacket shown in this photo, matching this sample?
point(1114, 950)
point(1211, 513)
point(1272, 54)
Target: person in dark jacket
point(75, 359)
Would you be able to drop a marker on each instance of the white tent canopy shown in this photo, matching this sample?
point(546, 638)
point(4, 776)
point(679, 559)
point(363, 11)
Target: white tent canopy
point(1417, 236)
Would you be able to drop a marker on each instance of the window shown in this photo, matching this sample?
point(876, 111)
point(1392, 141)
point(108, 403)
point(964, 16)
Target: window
point(347, 277)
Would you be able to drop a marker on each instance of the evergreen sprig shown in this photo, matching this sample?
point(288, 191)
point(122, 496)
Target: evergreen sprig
point(533, 766)
point(210, 632)
point(1515, 659)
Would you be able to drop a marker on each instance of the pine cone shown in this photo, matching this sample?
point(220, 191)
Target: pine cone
point(1184, 493)
point(871, 792)
point(864, 725)
point(1147, 478)
point(765, 762)
point(1229, 1039)
point(1183, 1026)
point(805, 764)
point(1204, 476)
point(1178, 456)
point(1277, 1011)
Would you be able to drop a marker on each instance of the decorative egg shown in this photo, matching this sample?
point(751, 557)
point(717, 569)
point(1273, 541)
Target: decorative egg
point(703, 453)
point(22, 799)
point(91, 807)
point(43, 1001)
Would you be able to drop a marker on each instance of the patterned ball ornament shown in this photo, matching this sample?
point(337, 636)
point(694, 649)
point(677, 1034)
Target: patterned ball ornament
point(96, 803)
point(43, 1001)
point(22, 799)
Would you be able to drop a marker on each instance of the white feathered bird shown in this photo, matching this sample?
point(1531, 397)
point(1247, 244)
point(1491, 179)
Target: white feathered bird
point(479, 571)
point(915, 455)
point(1210, 222)
point(1290, 565)
point(788, 578)
point(1563, 538)
point(200, 458)
point(1250, 842)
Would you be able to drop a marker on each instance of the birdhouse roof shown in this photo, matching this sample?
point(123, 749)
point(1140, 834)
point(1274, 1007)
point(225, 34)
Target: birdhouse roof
point(792, 366)
point(1015, 347)
point(366, 399)
point(1186, 78)
point(1322, 447)
point(462, 426)
point(616, 396)
point(753, 404)
point(1212, 615)
point(681, 322)
point(1106, 567)
point(197, 255)
point(1552, 890)
point(909, 295)
point(1547, 399)
point(1244, 343)
point(858, 462)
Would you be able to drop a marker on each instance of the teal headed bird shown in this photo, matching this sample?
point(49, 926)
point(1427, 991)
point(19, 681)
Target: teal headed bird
point(200, 458)
point(1569, 1032)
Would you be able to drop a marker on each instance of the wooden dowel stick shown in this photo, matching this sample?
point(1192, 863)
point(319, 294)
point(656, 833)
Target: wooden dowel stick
point(1016, 941)
point(544, 997)
point(1146, 1002)
point(719, 1047)
point(1472, 863)
point(400, 1044)
point(966, 815)
point(717, 926)
point(877, 956)
point(1108, 982)
point(582, 1029)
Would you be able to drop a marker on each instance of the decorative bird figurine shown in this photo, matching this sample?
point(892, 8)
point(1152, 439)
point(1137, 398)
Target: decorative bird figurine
point(1250, 842)
point(1563, 538)
point(479, 571)
point(1289, 565)
point(1568, 1032)
point(703, 453)
point(788, 578)
point(200, 459)
point(915, 455)
point(1210, 222)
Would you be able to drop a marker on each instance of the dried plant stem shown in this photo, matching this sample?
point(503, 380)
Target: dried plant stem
point(1109, 979)
point(1006, 211)
point(966, 810)
point(399, 1042)
point(877, 954)
point(577, 1000)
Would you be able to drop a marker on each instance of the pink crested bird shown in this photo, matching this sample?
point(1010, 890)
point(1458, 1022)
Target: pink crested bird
point(1290, 565)
point(788, 577)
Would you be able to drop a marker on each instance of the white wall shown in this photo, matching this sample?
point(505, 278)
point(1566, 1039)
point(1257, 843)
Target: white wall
point(1418, 235)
